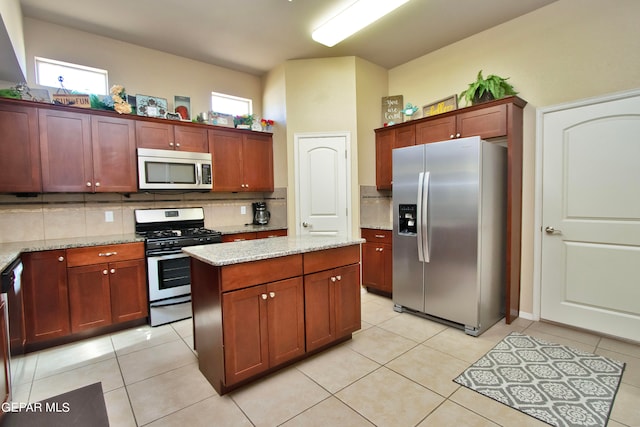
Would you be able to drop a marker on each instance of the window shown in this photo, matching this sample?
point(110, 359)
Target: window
point(76, 77)
point(228, 104)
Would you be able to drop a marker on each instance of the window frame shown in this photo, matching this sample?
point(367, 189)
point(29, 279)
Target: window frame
point(83, 68)
point(247, 101)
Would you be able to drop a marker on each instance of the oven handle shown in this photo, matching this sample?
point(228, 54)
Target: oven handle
point(164, 254)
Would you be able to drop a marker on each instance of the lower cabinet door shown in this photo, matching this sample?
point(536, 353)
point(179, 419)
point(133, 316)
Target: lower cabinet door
point(319, 305)
point(245, 333)
point(347, 300)
point(128, 286)
point(89, 297)
point(285, 311)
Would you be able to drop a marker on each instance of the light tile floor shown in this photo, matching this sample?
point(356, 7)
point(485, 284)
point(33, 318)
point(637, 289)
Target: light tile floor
point(396, 371)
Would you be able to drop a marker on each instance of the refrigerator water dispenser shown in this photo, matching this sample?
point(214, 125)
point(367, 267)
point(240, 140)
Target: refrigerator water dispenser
point(407, 220)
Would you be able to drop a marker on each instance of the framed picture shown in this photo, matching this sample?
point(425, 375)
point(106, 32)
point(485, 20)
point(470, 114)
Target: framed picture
point(151, 106)
point(220, 119)
point(392, 109)
point(182, 106)
point(81, 101)
point(173, 116)
point(38, 95)
point(442, 106)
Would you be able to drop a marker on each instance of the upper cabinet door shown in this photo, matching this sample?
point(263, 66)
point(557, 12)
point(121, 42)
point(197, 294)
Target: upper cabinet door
point(436, 130)
point(19, 150)
point(65, 150)
point(114, 154)
point(490, 122)
point(226, 150)
point(257, 163)
point(154, 135)
point(189, 138)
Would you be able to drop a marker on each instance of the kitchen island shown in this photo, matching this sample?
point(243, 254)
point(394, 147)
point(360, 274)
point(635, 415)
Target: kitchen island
point(260, 305)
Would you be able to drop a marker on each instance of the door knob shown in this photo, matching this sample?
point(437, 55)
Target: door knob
point(305, 224)
point(551, 230)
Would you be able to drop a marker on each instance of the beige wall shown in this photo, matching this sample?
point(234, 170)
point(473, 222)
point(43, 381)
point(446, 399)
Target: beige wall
point(321, 97)
point(275, 108)
point(569, 50)
point(140, 70)
point(12, 37)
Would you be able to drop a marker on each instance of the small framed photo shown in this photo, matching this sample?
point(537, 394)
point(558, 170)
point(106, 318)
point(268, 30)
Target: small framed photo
point(173, 116)
point(220, 119)
point(182, 106)
point(441, 106)
point(151, 106)
point(38, 95)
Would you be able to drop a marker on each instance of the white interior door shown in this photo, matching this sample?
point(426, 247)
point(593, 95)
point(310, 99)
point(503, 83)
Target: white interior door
point(322, 184)
point(590, 244)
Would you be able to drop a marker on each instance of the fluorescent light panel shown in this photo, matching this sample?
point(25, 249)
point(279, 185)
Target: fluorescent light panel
point(353, 19)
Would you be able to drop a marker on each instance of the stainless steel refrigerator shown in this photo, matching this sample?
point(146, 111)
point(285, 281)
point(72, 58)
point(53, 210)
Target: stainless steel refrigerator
point(449, 222)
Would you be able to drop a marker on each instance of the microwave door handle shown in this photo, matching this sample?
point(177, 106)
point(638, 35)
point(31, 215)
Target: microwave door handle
point(198, 177)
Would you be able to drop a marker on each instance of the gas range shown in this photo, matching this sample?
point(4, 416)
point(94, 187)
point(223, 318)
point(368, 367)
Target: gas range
point(168, 230)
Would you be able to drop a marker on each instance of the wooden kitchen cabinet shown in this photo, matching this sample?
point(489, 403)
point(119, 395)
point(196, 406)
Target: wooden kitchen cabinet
point(377, 260)
point(19, 149)
point(103, 293)
point(500, 120)
point(164, 136)
point(386, 140)
point(85, 153)
point(332, 295)
point(242, 160)
point(263, 327)
point(46, 295)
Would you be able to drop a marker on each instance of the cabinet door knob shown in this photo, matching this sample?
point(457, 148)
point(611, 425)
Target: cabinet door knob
point(339, 277)
point(333, 279)
point(88, 184)
point(60, 258)
point(113, 270)
point(171, 144)
point(97, 184)
point(264, 296)
point(104, 272)
point(177, 144)
point(272, 294)
point(451, 136)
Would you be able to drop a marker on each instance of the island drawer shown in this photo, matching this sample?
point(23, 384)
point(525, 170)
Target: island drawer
point(331, 258)
point(376, 236)
point(104, 253)
point(238, 276)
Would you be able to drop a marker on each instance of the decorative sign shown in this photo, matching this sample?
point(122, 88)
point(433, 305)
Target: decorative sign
point(439, 107)
point(392, 109)
point(81, 101)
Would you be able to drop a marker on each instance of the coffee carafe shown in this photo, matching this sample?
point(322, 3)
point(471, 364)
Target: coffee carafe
point(261, 215)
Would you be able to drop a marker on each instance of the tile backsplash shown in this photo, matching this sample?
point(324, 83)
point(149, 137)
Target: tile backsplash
point(63, 215)
point(375, 207)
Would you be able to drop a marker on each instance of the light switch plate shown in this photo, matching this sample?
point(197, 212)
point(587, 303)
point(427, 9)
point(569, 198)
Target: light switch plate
point(243, 210)
point(108, 216)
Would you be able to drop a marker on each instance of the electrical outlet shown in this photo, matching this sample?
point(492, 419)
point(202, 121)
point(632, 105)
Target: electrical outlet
point(243, 210)
point(108, 216)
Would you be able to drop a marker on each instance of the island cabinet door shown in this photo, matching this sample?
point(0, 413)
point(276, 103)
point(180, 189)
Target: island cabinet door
point(347, 297)
point(319, 309)
point(286, 320)
point(245, 333)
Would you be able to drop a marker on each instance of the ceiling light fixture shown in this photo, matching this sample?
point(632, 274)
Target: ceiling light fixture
point(353, 19)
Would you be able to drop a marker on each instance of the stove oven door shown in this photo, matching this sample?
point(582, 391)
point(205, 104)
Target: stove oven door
point(169, 276)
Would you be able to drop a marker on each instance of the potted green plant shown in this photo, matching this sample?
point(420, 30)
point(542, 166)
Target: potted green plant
point(483, 90)
point(243, 122)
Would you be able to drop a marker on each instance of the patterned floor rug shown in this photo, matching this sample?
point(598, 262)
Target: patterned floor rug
point(554, 383)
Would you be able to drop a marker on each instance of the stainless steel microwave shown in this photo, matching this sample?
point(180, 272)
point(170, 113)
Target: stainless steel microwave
point(174, 170)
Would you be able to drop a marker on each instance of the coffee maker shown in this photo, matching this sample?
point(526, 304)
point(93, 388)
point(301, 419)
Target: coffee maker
point(261, 215)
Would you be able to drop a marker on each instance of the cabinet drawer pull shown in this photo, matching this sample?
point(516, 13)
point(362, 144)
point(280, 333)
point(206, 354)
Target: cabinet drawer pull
point(108, 253)
point(380, 236)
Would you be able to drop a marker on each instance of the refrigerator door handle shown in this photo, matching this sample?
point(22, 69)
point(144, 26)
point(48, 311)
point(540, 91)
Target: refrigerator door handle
point(423, 229)
point(419, 217)
point(425, 217)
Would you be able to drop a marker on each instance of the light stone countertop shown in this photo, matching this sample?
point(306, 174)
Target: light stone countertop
point(377, 226)
point(233, 229)
point(254, 250)
point(11, 251)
